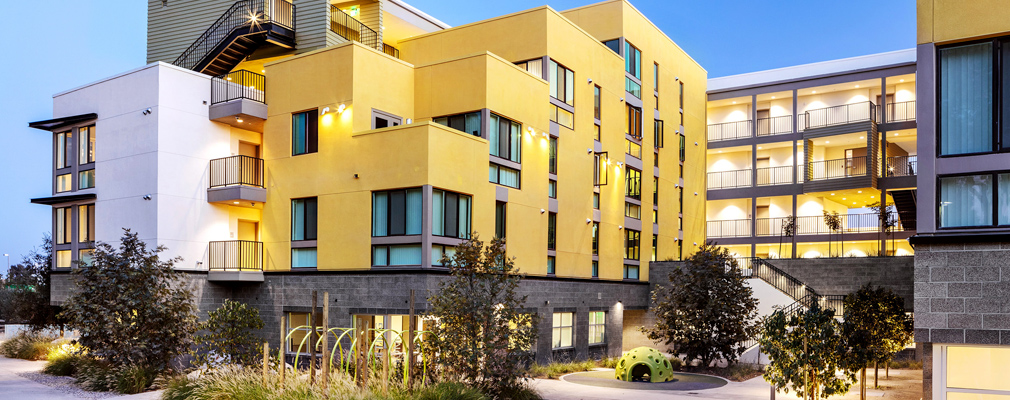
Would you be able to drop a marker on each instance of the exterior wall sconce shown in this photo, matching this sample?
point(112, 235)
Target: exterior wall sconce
point(590, 80)
point(589, 151)
point(146, 111)
point(620, 227)
point(341, 108)
point(542, 211)
point(588, 220)
point(621, 99)
point(324, 111)
point(409, 121)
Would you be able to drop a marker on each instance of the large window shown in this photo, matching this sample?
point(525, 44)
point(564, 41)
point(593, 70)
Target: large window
point(614, 44)
point(63, 225)
point(973, 200)
point(469, 122)
point(86, 138)
point(631, 272)
point(596, 238)
point(303, 257)
point(63, 259)
point(86, 223)
point(64, 149)
point(86, 179)
point(655, 247)
point(633, 122)
point(550, 265)
point(552, 160)
point(505, 138)
point(632, 210)
point(633, 88)
point(973, 372)
point(632, 243)
point(966, 99)
point(633, 180)
point(563, 330)
point(396, 212)
point(499, 219)
point(597, 327)
point(397, 255)
point(298, 331)
point(632, 60)
point(683, 148)
point(596, 103)
point(657, 134)
point(304, 132)
point(562, 83)
point(601, 169)
point(534, 66)
point(303, 219)
point(633, 149)
point(552, 225)
point(504, 176)
point(450, 214)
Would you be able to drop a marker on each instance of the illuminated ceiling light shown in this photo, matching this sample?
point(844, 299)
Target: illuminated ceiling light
point(720, 151)
point(895, 134)
point(860, 191)
point(773, 97)
point(871, 197)
point(228, 78)
point(235, 202)
point(843, 198)
point(827, 141)
point(860, 137)
point(853, 202)
point(759, 147)
point(901, 80)
point(857, 86)
point(813, 91)
point(734, 102)
point(832, 194)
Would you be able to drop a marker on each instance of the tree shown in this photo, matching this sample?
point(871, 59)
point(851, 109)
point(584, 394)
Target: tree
point(706, 311)
point(875, 328)
point(804, 353)
point(227, 337)
point(834, 223)
point(28, 285)
point(481, 336)
point(788, 230)
point(885, 220)
point(130, 307)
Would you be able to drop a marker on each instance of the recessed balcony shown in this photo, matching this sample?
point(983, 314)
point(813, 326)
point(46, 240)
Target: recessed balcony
point(844, 114)
point(238, 99)
point(730, 131)
point(812, 225)
point(237, 181)
point(235, 261)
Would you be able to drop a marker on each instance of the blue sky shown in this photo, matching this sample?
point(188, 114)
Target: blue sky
point(57, 45)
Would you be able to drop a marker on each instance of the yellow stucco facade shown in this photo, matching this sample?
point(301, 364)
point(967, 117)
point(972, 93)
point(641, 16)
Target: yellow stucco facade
point(472, 68)
point(945, 21)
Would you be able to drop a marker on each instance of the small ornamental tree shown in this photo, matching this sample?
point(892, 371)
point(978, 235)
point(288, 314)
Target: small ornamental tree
point(834, 223)
point(886, 221)
point(227, 337)
point(480, 335)
point(804, 352)
point(28, 285)
point(706, 311)
point(130, 307)
point(875, 328)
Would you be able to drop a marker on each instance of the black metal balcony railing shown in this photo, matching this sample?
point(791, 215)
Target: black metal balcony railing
point(729, 131)
point(810, 225)
point(351, 29)
point(840, 168)
point(729, 228)
point(901, 166)
point(236, 255)
point(235, 171)
point(236, 85)
point(775, 175)
point(774, 125)
point(241, 14)
point(729, 179)
point(840, 115)
point(900, 111)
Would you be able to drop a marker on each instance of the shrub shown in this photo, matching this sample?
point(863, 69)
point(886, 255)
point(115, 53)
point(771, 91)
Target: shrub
point(134, 379)
point(64, 359)
point(101, 376)
point(448, 391)
point(227, 334)
point(28, 345)
point(555, 370)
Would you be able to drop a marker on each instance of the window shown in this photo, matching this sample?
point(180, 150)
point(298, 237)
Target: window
point(298, 331)
point(655, 244)
point(597, 327)
point(632, 60)
point(596, 132)
point(633, 122)
point(552, 161)
point(632, 210)
point(633, 88)
point(683, 148)
point(655, 190)
point(655, 78)
point(64, 183)
point(633, 149)
point(596, 102)
point(304, 132)
point(681, 200)
point(85, 257)
point(63, 225)
point(655, 216)
point(86, 223)
point(304, 257)
point(657, 134)
point(552, 225)
point(64, 149)
point(396, 212)
point(681, 95)
point(631, 272)
point(596, 269)
point(680, 250)
point(499, 219)
point(450, 214)
point(633, 180)
point(596, 201)
point(614, 45)
point(63, 259)
point(657, 101)
point(596, 238)
point(601, 169)
point(966, 98)
point(562, 117)
point(563, 330)
point(504, 176)
point(396, 255)
point(631, 244)
point(469, 122)
point(562, 83)
point(505, 139)
point(534, 66)
point(967, 201)
point(552, 189)
point(973, 372)
point(86, 179)
point(303, 219)
point(86, 138)
point(384, 120)
point(550, 265)
point(437, 251)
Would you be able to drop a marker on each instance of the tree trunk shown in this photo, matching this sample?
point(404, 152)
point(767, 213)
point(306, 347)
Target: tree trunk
point(887, 370)
point(862, 384)
point(876, 370)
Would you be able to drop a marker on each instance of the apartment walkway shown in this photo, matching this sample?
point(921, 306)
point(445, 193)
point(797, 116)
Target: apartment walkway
point(13, 385)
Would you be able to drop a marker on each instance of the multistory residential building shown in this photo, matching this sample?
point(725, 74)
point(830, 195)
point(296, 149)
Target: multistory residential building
point(962, 279)
point(280, 148)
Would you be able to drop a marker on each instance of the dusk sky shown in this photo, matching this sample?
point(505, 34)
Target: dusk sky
point(58, 45)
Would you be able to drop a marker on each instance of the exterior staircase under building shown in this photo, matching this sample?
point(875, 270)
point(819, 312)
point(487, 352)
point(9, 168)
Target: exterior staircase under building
point(904, 201)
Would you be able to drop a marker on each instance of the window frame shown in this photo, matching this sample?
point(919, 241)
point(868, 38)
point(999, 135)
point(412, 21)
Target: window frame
point(305, 224)
point(996, 92)
point(994, 176)
point(389, 212)
point(552, 160)
point(86, 223)
point(560, 328)
point(596, 238)
point(311, 132)
point(86, 148)
point(632, 58)
point(559, 70)
point(597, 102)
point(513, 154)
point(633, 126)
point(552, 231)
point(501, 219)
point(601, 327)
point(632, 181)
point(632, 244)
point(449, 118)
point(67, 227)
point(445, 213)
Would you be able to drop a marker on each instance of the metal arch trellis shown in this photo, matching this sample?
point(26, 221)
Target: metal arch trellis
point(372, 354)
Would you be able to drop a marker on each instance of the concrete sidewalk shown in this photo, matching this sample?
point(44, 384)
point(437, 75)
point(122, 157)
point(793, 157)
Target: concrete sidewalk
point(13, 386)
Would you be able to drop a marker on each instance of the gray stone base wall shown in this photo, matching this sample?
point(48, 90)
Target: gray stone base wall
point(844, 275)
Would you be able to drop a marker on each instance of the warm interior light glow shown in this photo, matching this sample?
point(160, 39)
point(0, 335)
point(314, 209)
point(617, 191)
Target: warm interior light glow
point(813, 91)
point(901, 80)
point(341, 108)
point(827, 141)
point(734, 102)
point(773, 97)
point(857, 86)
point(235, 202)
point(860, 191)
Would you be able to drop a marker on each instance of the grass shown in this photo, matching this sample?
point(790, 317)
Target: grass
point(906, 364)
point(63, 359)
point(234, 383)
point(28, 345)
point(554, 370)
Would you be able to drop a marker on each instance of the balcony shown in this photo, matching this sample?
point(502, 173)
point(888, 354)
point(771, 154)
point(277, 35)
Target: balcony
point(351, 29)
point(730, 131)
point(775, 175)
point(235, 261)
point(729, 228)
point(237, 180)
point(238, 99)
point(840, 168)
point(901, 166)
point(900, 112)
point(774, 125)
point(840, 115)
point(730, 179)
point(810, 225)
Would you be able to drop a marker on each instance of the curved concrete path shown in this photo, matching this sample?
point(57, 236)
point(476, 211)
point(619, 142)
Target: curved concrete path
point(13, 386)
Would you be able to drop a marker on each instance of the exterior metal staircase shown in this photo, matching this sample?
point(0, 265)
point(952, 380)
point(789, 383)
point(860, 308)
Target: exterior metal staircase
point(243, 28)
point(904, 201)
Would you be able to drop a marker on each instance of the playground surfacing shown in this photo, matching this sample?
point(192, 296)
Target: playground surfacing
point(681, 381)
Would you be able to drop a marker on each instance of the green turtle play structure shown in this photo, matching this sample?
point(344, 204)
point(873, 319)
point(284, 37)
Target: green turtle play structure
point(642, 362)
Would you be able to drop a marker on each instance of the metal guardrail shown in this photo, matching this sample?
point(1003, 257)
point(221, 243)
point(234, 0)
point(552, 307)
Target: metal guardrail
point(901, 166)
point(729, 228)
point(236, 171)
point(730, 131)
point(900, 111)
point(235, 255)
point(775, 175)
point(236, 85)
point(840, 115)
point(839, 168)
point(241, 14)
point(809, 225)
point(774, 125)
point(351, 29)
point(730, 179)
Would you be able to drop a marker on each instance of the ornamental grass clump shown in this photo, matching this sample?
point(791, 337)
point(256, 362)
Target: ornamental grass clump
point(28, 345)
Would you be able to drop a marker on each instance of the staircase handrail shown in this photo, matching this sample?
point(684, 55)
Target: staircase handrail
point(190, 58)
